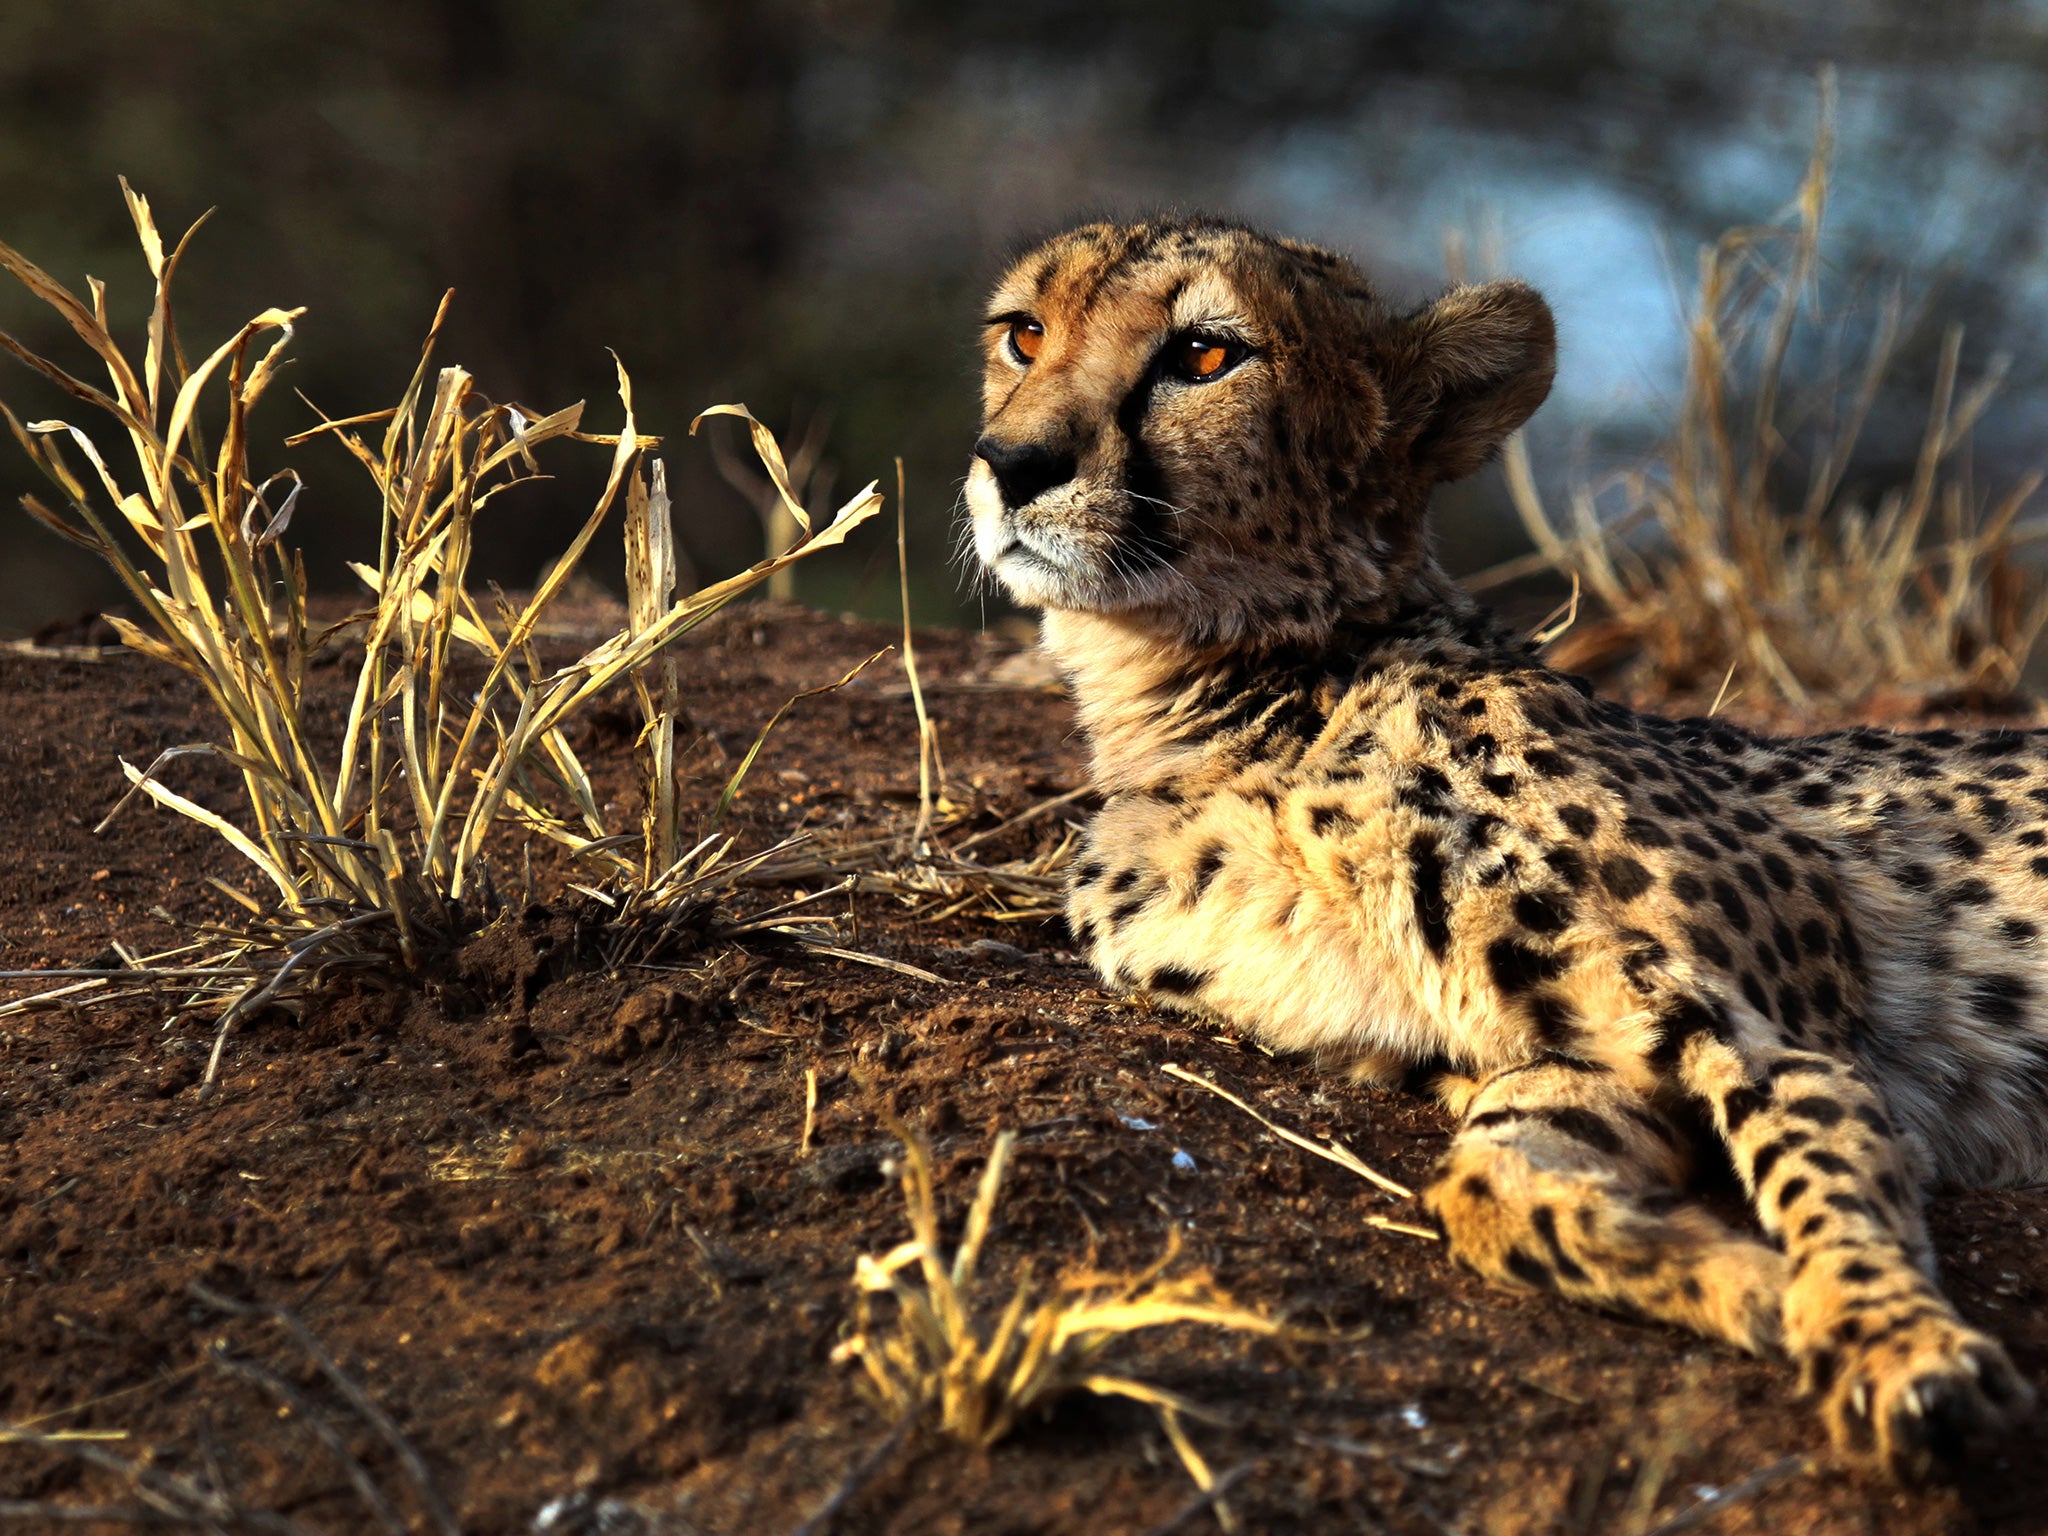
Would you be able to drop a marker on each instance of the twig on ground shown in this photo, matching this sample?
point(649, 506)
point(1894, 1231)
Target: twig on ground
point(859, 1475)
point(290, 1399)
point(1213, 1494)
point(1334, 1151)
point(365, 1406)
point(1698, 1514)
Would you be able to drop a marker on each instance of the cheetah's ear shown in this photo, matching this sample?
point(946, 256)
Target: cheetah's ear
point(1483, 360)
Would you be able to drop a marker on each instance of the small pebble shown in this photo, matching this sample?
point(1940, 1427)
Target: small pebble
point(1182, 1163)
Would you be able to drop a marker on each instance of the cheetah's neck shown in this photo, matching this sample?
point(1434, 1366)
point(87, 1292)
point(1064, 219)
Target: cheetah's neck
point(1135, 687)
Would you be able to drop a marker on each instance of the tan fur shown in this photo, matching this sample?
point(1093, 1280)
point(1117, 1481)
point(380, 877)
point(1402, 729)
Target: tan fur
point(1347, 814)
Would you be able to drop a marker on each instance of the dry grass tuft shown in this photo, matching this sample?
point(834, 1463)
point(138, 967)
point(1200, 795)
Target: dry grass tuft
point(1806, 591)
point(976, 1374)
point(373, 850)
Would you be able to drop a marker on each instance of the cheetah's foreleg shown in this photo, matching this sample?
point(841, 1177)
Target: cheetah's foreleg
point(1563, 1177)
point(1903, 1380)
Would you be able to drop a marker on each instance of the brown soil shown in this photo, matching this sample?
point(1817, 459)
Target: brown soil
point(557, 1221)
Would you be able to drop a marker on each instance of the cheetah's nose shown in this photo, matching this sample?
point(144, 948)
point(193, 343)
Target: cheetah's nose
point(1024, 471)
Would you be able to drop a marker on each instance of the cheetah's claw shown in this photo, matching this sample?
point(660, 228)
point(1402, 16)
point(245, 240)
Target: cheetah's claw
point(1910, 1405)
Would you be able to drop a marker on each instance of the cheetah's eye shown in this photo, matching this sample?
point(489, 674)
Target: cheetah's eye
point(1201, 358)
point(1027, 337)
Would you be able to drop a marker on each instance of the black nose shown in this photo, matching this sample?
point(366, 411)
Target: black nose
point(1024, 471)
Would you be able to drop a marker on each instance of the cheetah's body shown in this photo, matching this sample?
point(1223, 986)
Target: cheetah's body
point(1347, 814)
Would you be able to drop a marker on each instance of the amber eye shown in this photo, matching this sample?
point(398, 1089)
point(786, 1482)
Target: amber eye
point(1197, 358)
point(1027, 338)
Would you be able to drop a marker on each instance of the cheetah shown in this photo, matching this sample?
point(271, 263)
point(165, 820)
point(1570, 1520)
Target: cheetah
point(1345, 812)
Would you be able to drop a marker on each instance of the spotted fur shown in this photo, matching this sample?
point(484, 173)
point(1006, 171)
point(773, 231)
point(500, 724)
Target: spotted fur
point(1347, 813)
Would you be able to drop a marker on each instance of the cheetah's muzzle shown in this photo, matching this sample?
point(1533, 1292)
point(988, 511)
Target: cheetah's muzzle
point(1348, 813)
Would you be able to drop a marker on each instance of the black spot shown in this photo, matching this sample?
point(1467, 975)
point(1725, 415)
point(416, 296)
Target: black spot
point(1548, 764)
point(1123, 880)
point(1645, 833)
point(1428, 791)
point(1753, 993)
point(1827, 1162)
point(1781, 936)
point(1857, 1272)
point(1827, 998)
point(1688, 888)
point(1999, 999)
point(1685, 1020)
point(1530, 1271)
point(1874, 1117)
point(1125, 910)
point(1208, 865)
point(1792, 1189)
point(1578, 821)
point(1792, 1008)
point(2033, 837)
point(1554, 1018)
point(1177, 981)
point(1588, 1129)
point(1485, 744)
point(1324, 819)
point(1699, 847)
point(1625, 877)
point(1815, 792)
point(1998, 743)
point(1765, 1160)
point(1515, 967)
point(1568, 866)
point(1749, 821)
point(1544, 1219)
point(1964, 846)
point(1752, 877)
point(1741, 1103)
point(1814, 938)
point(1821, 1111)
point(1476, 1187)
point(1708, 945)
point(1914, 877)
point(1501, 785)
point(1542, 912)
point(1730, 901)
point(1088, 874)
point(1432, 905)
point(2017, 930)
point(1779, 871)
point(1967, 893)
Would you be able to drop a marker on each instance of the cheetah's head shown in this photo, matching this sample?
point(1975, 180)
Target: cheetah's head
point(1226, 437)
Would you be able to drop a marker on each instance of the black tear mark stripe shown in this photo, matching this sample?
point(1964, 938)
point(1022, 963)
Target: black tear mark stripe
point(1148, 533)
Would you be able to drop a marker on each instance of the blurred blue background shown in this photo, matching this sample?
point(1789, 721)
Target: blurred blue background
point(797, 203)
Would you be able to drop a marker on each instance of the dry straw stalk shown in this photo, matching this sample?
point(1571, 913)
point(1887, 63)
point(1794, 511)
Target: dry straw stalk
point(455, 723)
point(978, 1374)
point(1804, 589)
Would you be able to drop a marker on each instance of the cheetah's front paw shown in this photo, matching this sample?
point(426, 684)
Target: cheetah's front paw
point(1908, 1395)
